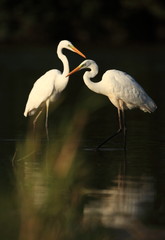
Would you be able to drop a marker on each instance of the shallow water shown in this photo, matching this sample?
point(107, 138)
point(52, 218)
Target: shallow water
point(64, 188)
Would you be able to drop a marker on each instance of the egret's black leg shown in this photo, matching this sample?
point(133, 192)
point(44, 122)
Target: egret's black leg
point(116, 133)
point(124, 128)
point(109, 138)
point(46, 120)
point(36, 118)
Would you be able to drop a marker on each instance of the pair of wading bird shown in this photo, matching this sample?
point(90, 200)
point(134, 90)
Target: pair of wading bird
point(121, 89)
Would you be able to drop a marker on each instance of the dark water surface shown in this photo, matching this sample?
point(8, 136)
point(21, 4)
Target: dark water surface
point(64, 189)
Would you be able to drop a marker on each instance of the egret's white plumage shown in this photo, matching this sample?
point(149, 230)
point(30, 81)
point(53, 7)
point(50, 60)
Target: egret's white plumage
point(43, 89)
point(121, 89)
point(48, 86)
point(124, 92)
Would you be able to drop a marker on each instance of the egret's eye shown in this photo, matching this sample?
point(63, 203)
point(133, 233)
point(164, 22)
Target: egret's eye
point(82, 65)
point(70, 46)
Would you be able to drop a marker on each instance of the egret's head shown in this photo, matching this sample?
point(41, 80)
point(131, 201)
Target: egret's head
point(85, 64)
point(68, 45)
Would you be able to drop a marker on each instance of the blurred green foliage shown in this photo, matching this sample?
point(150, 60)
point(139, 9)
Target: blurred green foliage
point(50, 180)
point(115, 21)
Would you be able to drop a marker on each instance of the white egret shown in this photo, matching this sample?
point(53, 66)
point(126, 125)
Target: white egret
point(121, 89)
point(48, 86)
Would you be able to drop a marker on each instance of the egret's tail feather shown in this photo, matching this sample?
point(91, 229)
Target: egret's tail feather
point(29, 113)
point(149, 107)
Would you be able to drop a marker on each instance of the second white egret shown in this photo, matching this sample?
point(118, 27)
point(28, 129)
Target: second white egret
point(121, 89)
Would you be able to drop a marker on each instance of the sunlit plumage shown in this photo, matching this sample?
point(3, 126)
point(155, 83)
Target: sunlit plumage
point(48, 86)
point(121, 89)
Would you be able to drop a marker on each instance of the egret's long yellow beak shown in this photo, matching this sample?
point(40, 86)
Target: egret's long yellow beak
point(74, 70)
point(78, 52)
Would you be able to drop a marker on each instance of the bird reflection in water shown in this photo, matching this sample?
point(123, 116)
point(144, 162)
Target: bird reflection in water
point(121, 205)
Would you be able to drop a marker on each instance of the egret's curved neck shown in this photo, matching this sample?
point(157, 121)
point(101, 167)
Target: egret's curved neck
point(94, 86)
point(64, 60)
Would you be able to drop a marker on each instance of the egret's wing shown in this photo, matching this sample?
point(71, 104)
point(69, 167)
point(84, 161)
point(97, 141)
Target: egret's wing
point(129, 91)
point(42, 89)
